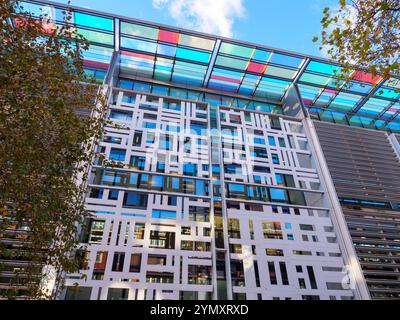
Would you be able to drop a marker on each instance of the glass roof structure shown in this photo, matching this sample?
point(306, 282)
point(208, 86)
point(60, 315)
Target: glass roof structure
point(195, 60)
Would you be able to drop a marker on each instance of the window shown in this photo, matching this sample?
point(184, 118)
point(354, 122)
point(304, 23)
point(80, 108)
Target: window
point(233, 228)
point(136, 260)
point(284, 275)
point(121, 115)
point(78, 293)
point(163, 214)
point(311, 275)
point(237, 273)
point(96, 231)
point(117, 154)
point(272, 273)
point(113, 195)
point(274, 252)
point(275, 158)
point(190, 169)
point(157, 259)
point(139, 231)
point(138, 162)
point(185, 231)
point(278, 195)
point(302, 283)
point(172, 201)
point(299, 268)
point(118, 262)
point(165, 142)
point(307, 227)
point(135, 200)
point(137, 138)
point(162, 239)
point(117, 294)
point(271, 141)
point(199, 275)
point(258, 152)
point(272, 230)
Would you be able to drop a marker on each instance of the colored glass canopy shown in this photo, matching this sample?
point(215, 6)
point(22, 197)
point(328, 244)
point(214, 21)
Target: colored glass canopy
point(198, 60)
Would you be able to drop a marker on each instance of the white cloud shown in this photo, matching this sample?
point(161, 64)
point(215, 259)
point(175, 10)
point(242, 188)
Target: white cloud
point(210, 16)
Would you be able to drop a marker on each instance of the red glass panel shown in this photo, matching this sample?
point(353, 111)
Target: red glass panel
point(256, 67)
point(366, 77)
point(168, 36)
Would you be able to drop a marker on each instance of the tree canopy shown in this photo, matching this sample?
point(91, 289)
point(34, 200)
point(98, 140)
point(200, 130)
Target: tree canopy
point(46, 145)
point(365, 33)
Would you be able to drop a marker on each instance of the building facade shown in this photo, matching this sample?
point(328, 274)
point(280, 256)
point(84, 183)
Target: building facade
point(229, 182)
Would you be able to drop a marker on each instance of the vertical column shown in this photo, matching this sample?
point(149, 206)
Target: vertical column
point(223, 289)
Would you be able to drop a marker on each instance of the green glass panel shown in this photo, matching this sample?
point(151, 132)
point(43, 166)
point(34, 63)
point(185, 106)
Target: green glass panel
point(95, 36)
point(139, 30)
point(236, 50)
point(393, 83)
point(280, 72)
point(92, 21)
point(231, 62)
point(316, 79)
point(196, 42)
point(194, 55)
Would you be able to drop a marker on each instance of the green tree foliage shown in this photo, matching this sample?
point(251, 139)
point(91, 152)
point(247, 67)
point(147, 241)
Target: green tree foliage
point(46, 146)
point(365, 33)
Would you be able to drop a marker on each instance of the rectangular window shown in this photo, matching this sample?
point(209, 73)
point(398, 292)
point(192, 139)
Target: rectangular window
point(272, 230)
point(272, 273)
point(118, 261)
point(163, 214)
point(311, 275)
point(284, 275)
point(271, 141)
point(137, 138)
point(136, 260)
point(139, 231)
point(274, 252)
point(117, 154)
point(157, 259)
point(233, 228)
point(138, 162)
point(135, 200)
point(162, 239)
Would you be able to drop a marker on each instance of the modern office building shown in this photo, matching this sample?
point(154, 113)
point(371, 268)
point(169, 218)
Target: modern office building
point(243, 172)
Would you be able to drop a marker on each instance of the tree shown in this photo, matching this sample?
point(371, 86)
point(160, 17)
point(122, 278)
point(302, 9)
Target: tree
point(365, 33)
point(46, 146)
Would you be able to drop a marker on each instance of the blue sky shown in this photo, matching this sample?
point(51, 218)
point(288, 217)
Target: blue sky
point(284, 24)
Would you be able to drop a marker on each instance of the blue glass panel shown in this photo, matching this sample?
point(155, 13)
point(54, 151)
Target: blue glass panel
point(261, 55)
point(117, 154)
point(163, 214)
point(271, 141)
point(278, 194)
point(321, 67)
point(194, 55)
point(286, 60)
point(166, 50)
point(139, 45)
point(93, 21)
